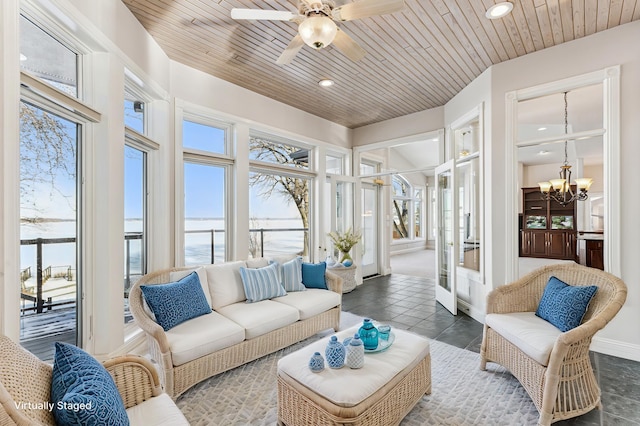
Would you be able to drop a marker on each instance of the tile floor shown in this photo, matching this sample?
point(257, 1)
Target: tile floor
point(409, 302)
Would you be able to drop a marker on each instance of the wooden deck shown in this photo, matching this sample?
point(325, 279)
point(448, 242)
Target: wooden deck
point(38, 332)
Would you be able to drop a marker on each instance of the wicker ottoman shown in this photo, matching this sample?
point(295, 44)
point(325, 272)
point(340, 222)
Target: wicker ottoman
point(381, 393)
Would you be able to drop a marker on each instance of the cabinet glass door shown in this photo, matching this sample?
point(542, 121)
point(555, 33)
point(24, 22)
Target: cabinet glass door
point(445, 237)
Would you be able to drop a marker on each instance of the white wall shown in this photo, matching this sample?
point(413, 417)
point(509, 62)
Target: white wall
point(408, 125)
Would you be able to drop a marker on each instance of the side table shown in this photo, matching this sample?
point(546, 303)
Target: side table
point(348, 275)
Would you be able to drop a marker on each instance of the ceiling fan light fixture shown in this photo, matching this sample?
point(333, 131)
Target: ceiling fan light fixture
point(317, 31)
point(499, 10)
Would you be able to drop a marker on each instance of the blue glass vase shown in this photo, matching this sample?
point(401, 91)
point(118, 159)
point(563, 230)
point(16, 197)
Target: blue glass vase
point(368, 334)
point(335, 353)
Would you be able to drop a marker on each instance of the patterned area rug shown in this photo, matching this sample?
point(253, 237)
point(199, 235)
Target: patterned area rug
point(461, 393)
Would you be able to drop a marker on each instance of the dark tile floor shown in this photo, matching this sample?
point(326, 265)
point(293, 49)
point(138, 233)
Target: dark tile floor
point(409, 303)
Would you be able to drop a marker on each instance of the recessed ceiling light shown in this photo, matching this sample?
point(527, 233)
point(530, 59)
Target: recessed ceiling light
point(499, 10)
point(541, 129)
point(325, 82)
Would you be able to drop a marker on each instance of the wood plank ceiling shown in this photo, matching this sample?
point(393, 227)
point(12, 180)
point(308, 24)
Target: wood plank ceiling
point(417, 59)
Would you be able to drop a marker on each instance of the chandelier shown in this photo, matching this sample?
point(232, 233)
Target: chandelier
point(560, 190)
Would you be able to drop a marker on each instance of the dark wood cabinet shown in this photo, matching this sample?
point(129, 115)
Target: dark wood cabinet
point(592, 253)
point(548, 228)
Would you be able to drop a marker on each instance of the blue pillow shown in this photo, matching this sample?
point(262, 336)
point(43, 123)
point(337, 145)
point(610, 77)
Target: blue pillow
point(82, 390)
point(261, 283)
point(175, 303)
point(564, 305)
point(291, 275)
point(313, 275)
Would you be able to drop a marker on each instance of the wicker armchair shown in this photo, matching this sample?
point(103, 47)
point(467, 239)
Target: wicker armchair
point(25, 379)
point(566, 387)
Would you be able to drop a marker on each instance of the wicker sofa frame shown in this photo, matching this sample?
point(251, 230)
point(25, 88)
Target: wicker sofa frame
point(566, 387)
point(177, 379)
point(25, 378)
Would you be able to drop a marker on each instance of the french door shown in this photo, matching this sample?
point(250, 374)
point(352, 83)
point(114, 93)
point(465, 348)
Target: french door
point(370, 204)
point(446, 220)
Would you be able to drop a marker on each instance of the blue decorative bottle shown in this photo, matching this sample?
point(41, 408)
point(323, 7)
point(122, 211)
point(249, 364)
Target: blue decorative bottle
point(369, 335)
point(335, 353)
point(316, 363)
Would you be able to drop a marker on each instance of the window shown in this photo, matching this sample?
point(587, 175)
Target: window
point(51, 144)
point(46, 58)
point(49, 217)
point(268, 149)
point(467, 146)
point(134, 113)
point(407, 209)
point(279, 197)
point(335, 164)
point(204, 137)
point(206, 172)
point(204, 213)
point(135, 220)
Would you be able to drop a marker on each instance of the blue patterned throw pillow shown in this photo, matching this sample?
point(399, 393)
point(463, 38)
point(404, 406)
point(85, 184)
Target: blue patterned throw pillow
point(564, 305)
point(313, 275)
point(175, 303)
point(83, 392)
point(261, 283)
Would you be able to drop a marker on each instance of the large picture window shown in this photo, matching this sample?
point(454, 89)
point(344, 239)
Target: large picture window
point(205, 143)
point(279, 198)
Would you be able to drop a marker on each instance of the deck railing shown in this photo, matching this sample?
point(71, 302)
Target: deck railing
point(45, 273)
point(260, 231)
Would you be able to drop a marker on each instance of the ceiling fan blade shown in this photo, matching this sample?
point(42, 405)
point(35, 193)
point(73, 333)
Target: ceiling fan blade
point(348, 47)
point(254, 14)
point(365, 8)
point(291, 51)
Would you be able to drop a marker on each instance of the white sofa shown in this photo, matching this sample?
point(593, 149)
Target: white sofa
point(235, 332)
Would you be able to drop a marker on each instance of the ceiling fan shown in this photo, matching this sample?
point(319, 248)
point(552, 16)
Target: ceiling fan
point(316, 26)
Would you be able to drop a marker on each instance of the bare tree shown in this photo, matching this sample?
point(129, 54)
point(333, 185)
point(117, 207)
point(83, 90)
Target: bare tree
point(293, 188)
point(47, 152)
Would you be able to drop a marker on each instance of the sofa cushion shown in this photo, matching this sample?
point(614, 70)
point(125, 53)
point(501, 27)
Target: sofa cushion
point(311, 302)
point(225, 283)
point(202, 276)
point(157, 411)
point(261, 283)
point(564, 305)
point(82, 390)
point(313, 275)
point(291, 275)
point(533, 335)
point(261, 317)
point(201, 336)
point(175, 303)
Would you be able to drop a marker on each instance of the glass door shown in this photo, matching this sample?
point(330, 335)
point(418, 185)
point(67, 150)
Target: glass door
point(445, 237)
point(369, 230)
point(343, 208)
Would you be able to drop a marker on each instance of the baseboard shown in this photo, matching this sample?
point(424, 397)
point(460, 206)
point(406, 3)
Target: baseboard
point(616, 348)
point(471, 310)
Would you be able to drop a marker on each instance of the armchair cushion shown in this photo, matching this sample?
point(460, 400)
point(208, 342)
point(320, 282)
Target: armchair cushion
point(564, 305)
point(82, 390)
point(158, 411)
point(175, 303)
point(533, 335)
